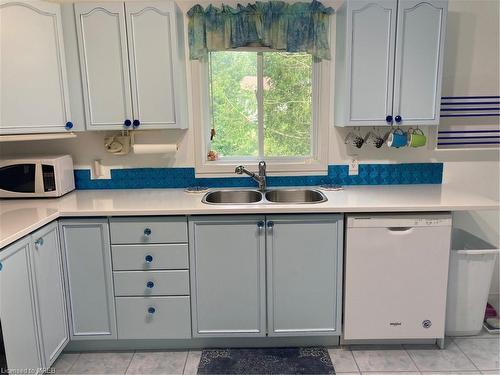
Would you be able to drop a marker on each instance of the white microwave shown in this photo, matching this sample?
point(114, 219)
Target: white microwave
point(36, 176)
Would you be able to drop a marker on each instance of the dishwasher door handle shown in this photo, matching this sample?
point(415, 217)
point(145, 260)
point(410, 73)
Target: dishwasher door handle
point(399, 229)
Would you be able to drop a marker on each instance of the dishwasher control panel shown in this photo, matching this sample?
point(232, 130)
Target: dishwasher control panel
point(399, 220)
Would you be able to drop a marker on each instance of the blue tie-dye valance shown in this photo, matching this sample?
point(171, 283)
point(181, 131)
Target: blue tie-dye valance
point(297, 27)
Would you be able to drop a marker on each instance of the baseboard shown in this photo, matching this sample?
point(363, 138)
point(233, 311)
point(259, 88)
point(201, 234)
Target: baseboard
point(101, 345)
point(388, 342)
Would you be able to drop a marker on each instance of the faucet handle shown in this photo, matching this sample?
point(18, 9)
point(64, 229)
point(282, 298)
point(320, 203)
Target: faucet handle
point(262, 167)
point(239, 169)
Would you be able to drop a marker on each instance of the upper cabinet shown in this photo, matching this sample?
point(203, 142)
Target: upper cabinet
point(33, 82)
point(132, 64)
point(389, 62)
point(419, 61)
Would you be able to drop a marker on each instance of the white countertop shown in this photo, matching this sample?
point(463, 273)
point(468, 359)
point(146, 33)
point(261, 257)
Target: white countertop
point(20, 217)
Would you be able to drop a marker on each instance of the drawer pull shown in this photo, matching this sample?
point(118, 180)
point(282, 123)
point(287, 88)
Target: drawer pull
point(151, 310)
point(150, 284)
point(147, 231)
point(148, 258)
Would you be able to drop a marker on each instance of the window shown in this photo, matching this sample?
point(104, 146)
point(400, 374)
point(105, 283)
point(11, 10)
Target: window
point(262, 107)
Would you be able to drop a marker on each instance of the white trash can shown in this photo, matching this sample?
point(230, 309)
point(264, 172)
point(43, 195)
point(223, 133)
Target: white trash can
point(471, 268)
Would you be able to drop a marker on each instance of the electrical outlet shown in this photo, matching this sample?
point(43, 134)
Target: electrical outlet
point(353, 167)
point(99, 171)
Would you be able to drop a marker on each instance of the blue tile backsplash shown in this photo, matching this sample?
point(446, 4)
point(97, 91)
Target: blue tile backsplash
point(369, 174)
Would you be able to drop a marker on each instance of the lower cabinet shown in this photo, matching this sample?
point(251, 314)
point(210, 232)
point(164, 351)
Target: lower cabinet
point(32, 301)
point(17, 308)
point(296, 260)
point(48, 284)
point(89, 278)
point(228, 276)
point(248, 275)
point(304, 274)
point(151, 277)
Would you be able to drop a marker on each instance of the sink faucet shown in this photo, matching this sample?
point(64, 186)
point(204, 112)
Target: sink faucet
point(260, 178)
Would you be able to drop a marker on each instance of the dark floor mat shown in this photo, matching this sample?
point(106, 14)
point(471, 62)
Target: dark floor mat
point(311, 360)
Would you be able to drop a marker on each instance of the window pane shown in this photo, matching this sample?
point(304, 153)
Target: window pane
point(287, 104)
point(234, 103)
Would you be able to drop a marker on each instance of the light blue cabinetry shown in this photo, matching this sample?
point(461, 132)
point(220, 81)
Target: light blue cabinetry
point(32, 300)
point(17, 308)
point(48, 284)
point(89, 278)
point(230, 277)
point(151, 277)
point(132, 64)
point(389, 61)
point(227, 255)
point(34, 90)
point(304, 274)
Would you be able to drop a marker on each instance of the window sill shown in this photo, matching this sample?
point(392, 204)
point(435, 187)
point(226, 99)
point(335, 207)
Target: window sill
point(226, 169)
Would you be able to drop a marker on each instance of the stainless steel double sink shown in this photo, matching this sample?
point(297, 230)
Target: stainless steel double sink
point(283, 196)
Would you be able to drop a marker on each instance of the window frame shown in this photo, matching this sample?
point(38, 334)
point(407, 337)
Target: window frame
point(317, 164)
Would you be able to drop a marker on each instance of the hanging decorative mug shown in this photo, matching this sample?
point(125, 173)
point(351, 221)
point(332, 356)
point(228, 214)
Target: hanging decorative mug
point(354, 140)
point(397, 138)
point(416, 138)
point(374, 139)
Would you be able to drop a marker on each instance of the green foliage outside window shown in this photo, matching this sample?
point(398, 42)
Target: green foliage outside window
point(286, 103)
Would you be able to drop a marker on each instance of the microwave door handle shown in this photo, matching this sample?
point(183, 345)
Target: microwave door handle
point(39, 188)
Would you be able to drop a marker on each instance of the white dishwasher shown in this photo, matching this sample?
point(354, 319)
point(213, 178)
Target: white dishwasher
point(396, 273)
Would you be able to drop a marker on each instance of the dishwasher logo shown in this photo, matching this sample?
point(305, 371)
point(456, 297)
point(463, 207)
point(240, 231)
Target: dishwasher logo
point(395, 324)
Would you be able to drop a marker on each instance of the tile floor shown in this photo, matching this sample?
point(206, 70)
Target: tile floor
point(465, 356)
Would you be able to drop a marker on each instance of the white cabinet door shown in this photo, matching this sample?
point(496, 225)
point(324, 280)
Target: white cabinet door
point(304, 275)
point(17, 308)
point(370, 60)
point(105, 73)
point(48, 286)
point(228, 277)
point(33, 82)
point(89, 278)
point(150, 30)
point(419, 61)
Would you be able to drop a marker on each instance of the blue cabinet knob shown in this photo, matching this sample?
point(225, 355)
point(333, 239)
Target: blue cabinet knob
point(270, 224)
point(151, 310)
point(127, 123)
point(388, 119)
point(39, 242)
point(148, 258)
point(69, 125)
point(260, 224)
point(150, 284)
point(136, 123)
point(147, 232)
point(398, 119)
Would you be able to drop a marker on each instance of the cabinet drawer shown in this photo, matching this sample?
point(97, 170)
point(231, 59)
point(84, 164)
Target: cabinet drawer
point(128, 230)
point(150, 257)
point(153, 317)
point(151, 283)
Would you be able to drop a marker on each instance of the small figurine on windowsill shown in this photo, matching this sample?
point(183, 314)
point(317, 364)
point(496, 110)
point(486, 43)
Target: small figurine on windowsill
point(212, 156)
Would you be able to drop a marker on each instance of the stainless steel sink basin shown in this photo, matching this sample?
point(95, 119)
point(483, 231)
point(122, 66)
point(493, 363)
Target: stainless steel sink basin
point(295, 196)
point(232, 197)
point(291, 196)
